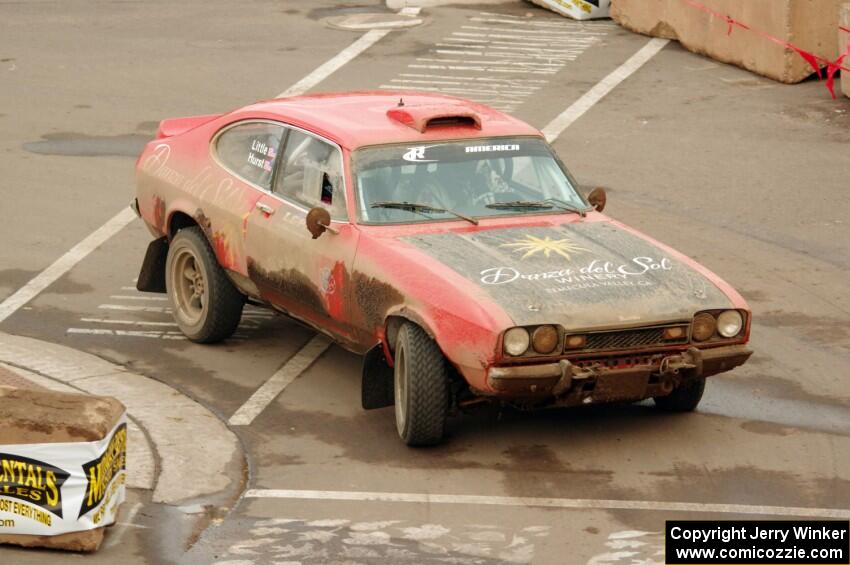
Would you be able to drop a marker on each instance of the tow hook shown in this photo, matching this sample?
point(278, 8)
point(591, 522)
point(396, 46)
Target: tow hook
point(690, 359)
point(569, 373)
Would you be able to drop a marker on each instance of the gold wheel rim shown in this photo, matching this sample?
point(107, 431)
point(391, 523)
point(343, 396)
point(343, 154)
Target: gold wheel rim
point(189, 287)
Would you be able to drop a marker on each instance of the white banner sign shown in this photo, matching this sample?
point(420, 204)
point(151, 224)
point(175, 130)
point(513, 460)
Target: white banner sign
point(56, 488)
point(578, 9)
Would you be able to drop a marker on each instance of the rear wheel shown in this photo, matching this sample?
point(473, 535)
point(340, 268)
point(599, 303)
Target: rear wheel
point(206, 305)
point(421, 387)
point(685, 398)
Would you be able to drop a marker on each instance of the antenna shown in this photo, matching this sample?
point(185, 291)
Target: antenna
point(400, 102)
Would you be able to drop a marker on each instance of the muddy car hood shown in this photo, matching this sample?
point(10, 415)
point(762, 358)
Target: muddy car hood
point(580, 275)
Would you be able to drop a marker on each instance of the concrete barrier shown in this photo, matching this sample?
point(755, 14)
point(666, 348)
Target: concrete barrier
point(808, 25)
point(843, 39)
point(62, 459)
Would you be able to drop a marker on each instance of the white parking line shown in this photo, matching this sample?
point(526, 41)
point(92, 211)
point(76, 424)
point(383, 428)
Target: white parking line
point(603, 87)
point(127, 322)
point(65, 263)
point(481, 69)
point(500, 63)
point(520, 40)
point(541, 502)
point(263, 396)
point(125, 308)
point(252, 318)
point(469, 56)
point(533, 24)
point(127, 333)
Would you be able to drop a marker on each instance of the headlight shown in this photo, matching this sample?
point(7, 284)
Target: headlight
point(516, 341)
point(544, 339)
point(730, 323)
point(704, 326)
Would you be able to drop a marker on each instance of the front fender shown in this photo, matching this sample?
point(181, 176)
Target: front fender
point(468, 346)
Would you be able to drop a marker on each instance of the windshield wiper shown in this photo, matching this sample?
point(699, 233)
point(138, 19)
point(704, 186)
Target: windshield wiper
point(424, 208)
point(539, 205)
point(569, 207)
point(521, 204)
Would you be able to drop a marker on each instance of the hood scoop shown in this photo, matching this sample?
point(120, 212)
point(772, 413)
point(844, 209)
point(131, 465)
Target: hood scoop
point(425, 117)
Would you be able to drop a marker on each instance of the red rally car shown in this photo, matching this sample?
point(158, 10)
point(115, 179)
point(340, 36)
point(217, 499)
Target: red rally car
point(439, 238)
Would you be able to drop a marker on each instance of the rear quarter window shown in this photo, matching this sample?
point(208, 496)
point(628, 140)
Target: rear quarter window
point(250, 151)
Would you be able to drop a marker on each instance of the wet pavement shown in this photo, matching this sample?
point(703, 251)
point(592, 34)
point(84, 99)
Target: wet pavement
point(743, 174)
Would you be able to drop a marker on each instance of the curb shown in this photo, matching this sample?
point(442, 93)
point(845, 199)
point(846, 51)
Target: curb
point(196, 450)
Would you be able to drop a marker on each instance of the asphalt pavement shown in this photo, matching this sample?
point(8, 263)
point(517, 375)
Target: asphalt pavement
point(744, 174)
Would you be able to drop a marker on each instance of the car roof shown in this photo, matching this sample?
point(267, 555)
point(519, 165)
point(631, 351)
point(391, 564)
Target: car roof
point(358, 119)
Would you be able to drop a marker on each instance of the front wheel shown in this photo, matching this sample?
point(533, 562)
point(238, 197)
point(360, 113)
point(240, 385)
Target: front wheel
point(206, 305)
point(685, 398)
point(421, 387)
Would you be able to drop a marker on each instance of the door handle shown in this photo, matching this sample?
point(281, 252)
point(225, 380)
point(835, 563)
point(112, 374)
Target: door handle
point(264, 208)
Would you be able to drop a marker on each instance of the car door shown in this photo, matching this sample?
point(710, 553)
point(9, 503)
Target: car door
point(308, 278)
point(247, 152)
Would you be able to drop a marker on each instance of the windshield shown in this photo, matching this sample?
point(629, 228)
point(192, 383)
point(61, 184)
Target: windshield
point(473, 178)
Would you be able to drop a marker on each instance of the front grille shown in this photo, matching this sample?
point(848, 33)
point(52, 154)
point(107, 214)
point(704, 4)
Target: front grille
point(629, 339)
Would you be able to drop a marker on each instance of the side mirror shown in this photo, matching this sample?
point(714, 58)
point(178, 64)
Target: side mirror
point(597, 199)
point(319, 221)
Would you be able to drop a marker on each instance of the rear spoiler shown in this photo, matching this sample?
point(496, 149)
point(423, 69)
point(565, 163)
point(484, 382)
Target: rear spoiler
point(176, 126)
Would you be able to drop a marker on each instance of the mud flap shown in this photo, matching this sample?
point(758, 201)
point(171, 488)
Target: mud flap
point(152, 275)
point(377, 385)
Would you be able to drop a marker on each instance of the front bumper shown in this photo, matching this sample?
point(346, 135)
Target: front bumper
point(574, 384)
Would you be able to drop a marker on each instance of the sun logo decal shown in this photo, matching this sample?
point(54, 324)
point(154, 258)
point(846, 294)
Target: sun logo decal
point(532, 245)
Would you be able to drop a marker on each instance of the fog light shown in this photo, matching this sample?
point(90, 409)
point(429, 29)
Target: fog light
point(677, 332)
point(575, 341)
point(704, 325)
point(544, 339)
point(516, 341)
point(730, 323)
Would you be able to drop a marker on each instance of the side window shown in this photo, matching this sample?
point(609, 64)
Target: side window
point(250, 151)
point(311, 173)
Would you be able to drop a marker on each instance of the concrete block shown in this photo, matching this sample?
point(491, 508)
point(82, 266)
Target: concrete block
point(50, 473)
point(87, 541)
point(808, 25)
point(31, 416)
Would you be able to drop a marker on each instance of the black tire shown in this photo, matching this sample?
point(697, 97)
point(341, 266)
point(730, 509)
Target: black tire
point(685, 398)
point(421, 386)
point(213, 310)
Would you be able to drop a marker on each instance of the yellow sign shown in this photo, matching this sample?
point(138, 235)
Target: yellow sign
point(532, 245)
point(32, 481)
